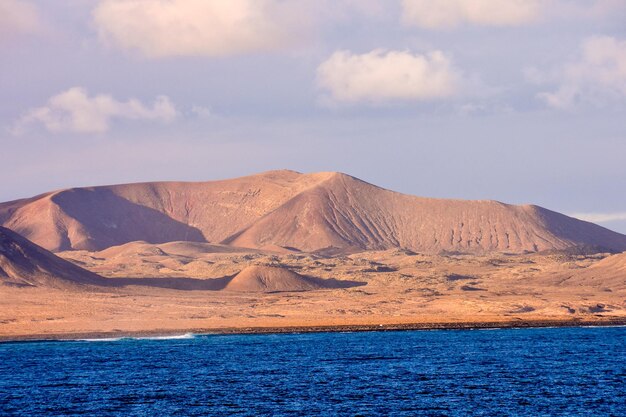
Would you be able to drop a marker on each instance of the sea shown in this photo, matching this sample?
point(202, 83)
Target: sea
point(504, 372)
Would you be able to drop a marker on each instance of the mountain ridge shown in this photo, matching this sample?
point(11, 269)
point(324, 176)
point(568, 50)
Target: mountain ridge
point(309, 212)
point(23, 263)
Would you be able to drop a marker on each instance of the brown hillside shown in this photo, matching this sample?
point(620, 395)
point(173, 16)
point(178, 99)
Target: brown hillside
point(610, 272)
point(345, 212)
point(95, 218)
point(309, 212)
point(257, 278)
point(22, 263)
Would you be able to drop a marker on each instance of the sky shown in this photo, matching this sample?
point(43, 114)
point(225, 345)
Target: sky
point(521, 101)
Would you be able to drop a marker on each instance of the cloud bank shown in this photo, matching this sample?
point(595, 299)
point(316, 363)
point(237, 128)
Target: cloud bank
point(18, 17)
point(600, 217)
point(382, 76)
point(449, 14)
point(74, 111)
point(598, 76)
point(163, 28)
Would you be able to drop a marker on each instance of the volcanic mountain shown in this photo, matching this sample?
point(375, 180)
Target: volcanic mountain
point(308, 212)
point(609, 272)
point(22, 263)
point(258, 278)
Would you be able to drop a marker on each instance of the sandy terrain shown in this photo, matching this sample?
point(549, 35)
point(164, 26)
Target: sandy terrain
point(179, 287)
point(284, 250)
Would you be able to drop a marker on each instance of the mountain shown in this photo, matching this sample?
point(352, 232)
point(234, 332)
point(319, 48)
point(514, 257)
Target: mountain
point(22, 263)
point(258, 278)
point(284, 209)
point(610, 272)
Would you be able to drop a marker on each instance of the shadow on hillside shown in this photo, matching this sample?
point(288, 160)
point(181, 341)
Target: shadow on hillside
point(184, 284)
point(335, 283)
point(210, 284)
point(111, 220)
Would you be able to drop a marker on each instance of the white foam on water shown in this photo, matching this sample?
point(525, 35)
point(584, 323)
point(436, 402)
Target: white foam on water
point(117, 339)
point(171, 337)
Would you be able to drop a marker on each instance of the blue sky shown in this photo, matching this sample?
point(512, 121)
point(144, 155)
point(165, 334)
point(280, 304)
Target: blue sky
point(522, 101)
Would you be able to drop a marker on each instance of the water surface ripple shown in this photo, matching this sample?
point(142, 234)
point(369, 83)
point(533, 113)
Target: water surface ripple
point(513, 372)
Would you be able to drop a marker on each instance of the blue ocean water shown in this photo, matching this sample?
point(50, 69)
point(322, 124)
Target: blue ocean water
point(514, 372)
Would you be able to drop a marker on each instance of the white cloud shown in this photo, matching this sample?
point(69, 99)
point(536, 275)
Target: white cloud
point(74, 111)
point(599, 75)
point(380, 76)
point(18, 17)
point(202, 112)
point(600, 217)
point(162, 28)
point(448, 14)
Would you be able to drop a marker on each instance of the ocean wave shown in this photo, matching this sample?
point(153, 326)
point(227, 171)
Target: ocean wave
point(171, 337)
point(118, 339)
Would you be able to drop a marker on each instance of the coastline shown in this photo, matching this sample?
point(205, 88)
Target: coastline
point(157, 333)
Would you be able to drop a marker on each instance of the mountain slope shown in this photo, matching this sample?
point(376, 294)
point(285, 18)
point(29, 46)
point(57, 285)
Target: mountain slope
point(23, 263)
point(610, 272)
point(345, 212)
point(258, 278)
point(95, 218)
point(307, 212)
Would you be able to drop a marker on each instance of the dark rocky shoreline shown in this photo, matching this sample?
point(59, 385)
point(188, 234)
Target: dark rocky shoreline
point(321, 329)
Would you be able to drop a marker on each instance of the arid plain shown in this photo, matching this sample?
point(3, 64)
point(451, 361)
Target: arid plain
point(287, 251)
